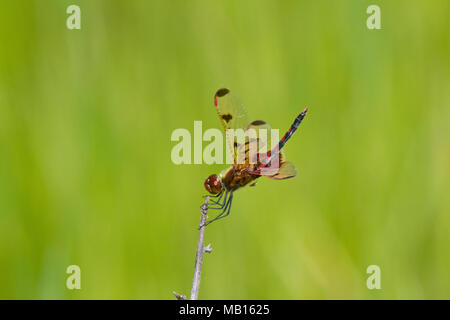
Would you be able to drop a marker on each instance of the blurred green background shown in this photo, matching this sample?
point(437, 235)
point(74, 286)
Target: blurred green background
point(86, 177)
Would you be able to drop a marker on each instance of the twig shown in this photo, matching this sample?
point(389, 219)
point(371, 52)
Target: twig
point(199, 254)
point(179, 296)
point(200, 251)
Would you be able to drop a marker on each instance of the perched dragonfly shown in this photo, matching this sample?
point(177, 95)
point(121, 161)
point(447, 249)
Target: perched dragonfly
point(233, 115)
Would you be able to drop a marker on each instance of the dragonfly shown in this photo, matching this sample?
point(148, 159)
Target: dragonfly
point(222, 187)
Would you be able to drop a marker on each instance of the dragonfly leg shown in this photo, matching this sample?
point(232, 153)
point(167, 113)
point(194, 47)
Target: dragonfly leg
point(225, 212)
point(213, 203)
point(212, 195)
point(220, 195)
point(220, 205)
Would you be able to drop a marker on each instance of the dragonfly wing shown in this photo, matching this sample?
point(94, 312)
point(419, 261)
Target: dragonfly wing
point(232, 115)
point(254, 144)
point(259, 124)
point(284, 169)
point(287, 170)
point(230, 109)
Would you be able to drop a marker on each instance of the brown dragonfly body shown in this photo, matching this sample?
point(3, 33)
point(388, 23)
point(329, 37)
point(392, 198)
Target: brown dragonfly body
point(237, 176)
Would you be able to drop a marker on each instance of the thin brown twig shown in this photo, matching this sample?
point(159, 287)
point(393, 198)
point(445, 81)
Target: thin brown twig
point(201, 249)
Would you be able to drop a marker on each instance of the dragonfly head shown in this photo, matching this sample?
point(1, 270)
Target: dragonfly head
point(213, 184)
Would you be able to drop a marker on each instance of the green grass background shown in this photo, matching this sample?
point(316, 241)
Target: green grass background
point(86, 176)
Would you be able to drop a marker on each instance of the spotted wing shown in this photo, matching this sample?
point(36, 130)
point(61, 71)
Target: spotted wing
point(230, 109)
point(257, 142)
point(265, 138)
point(232, 115)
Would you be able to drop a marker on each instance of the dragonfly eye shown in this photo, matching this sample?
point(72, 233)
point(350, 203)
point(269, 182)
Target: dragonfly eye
point(213, 184)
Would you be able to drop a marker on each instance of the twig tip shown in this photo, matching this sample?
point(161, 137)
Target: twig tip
point(179, 296)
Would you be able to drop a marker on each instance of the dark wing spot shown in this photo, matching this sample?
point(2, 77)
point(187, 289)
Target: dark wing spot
point(222, 92)
point(227, 117)
point(257, 123)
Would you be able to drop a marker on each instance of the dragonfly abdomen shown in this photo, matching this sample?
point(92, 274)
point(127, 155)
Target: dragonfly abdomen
point(283, 140)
